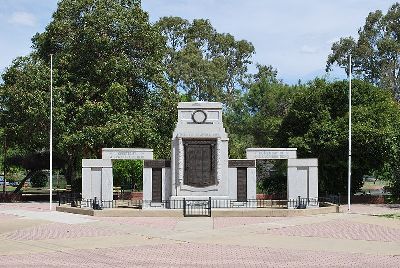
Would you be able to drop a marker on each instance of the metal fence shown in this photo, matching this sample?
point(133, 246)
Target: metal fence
point(75, 200)
point(197, 208)
point(330, 198)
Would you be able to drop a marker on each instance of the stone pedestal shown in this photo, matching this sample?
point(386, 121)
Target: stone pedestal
point(302, 180)
point(156, 183)
point(97, 180)
point(242, 179)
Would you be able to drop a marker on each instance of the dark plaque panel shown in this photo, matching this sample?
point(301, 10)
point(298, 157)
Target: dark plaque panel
point(241, 184)
point(157, 163)
point(200, 162)
point(241, 163)
point(156, 185)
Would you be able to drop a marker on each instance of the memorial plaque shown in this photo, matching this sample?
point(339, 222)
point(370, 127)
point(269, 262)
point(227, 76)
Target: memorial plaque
point(241, 163)
point(200, 162)
point(156, 185)
point(157, 163)
point(241, 184)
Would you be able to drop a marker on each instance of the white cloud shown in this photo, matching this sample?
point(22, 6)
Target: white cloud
point(308, 49)
point(22, 18)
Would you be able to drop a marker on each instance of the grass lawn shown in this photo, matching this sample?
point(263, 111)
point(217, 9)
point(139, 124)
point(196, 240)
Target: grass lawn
point(391, 216)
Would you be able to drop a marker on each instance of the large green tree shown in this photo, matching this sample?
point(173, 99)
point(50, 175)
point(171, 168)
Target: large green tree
point(317, 124)
point(107, 82)
point(376, 52)
point(201, 63)
point(254, 119)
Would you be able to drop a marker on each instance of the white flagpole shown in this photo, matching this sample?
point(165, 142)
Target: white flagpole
point(51, 131)
point(349, 166)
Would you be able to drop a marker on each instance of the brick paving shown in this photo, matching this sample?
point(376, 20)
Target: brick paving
point(34, 206)
point(223, 222)
point(7, 216)
point(341, 229)
point(371, 209)
point(198, 255)
point(166, 251)
point(60, 231)
point(152, 222)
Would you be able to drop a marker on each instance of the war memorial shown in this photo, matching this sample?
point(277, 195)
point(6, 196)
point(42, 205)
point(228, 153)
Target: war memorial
point(200, 171)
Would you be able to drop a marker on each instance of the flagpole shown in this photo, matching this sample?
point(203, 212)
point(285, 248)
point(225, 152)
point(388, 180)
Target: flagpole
point(51, 131)
point(349, 166)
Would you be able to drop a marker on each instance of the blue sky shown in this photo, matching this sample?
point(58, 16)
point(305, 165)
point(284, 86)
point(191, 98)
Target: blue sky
point(293, 36)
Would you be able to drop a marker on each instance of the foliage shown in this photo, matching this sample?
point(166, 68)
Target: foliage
point(24, 99)
point(375, 52)
point(202, 63)
point(272, 176)
point(394, 186)
point(268, 101)
point(317, 124)
point(118, 79)
point(236, 121)
point(128, 174)
point(39, 179)
point(254, 119)
point(107, 78)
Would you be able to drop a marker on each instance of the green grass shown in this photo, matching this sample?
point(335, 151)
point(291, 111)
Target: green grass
point(8, 188)
point(391, 216)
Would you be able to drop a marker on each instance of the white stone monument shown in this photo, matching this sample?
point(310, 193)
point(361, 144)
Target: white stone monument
point(199, 167)
point(199, 160)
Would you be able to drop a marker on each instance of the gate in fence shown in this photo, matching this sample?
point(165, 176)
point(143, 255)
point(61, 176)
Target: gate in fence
point(197, 208)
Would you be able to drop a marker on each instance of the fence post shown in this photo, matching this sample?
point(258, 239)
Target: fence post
point(339, 199)
point(209, 206)
point(299, 204)
point(184, 207)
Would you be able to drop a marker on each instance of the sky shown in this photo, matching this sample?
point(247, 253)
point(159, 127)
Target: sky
point(294, 36)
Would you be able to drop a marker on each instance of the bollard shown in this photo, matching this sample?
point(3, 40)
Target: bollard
point(184, 207)
point(96, 206)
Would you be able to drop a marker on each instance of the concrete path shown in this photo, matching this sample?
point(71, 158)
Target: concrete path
point(31, 236)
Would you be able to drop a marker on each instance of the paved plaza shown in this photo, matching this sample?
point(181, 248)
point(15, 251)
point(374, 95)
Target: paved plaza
point(32, 236)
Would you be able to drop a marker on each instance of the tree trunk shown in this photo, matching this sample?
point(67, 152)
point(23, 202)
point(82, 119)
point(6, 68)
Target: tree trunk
point(21, 184)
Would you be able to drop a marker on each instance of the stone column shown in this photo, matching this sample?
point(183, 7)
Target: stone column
point(181, 163)
point(219, 163)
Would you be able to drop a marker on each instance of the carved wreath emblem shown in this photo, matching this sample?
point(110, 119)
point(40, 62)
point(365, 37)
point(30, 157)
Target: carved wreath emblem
point(199, 116)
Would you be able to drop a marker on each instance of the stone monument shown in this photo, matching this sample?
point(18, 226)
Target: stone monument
point(199, 168)
point(199, 159)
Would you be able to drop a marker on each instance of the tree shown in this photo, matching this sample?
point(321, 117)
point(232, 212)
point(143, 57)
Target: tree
point(317, 124)
point(128, 174)
point(376, 52)
point(268, 101)
point(39, 179)
point(107, 81)
point(202, 63)
point(255, 118)
point(33, 163)
point(24, 100)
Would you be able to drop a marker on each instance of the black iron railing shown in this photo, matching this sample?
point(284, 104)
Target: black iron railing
point(197, 208)
point(302, 203)
point(75, 200)
point(330, 198)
